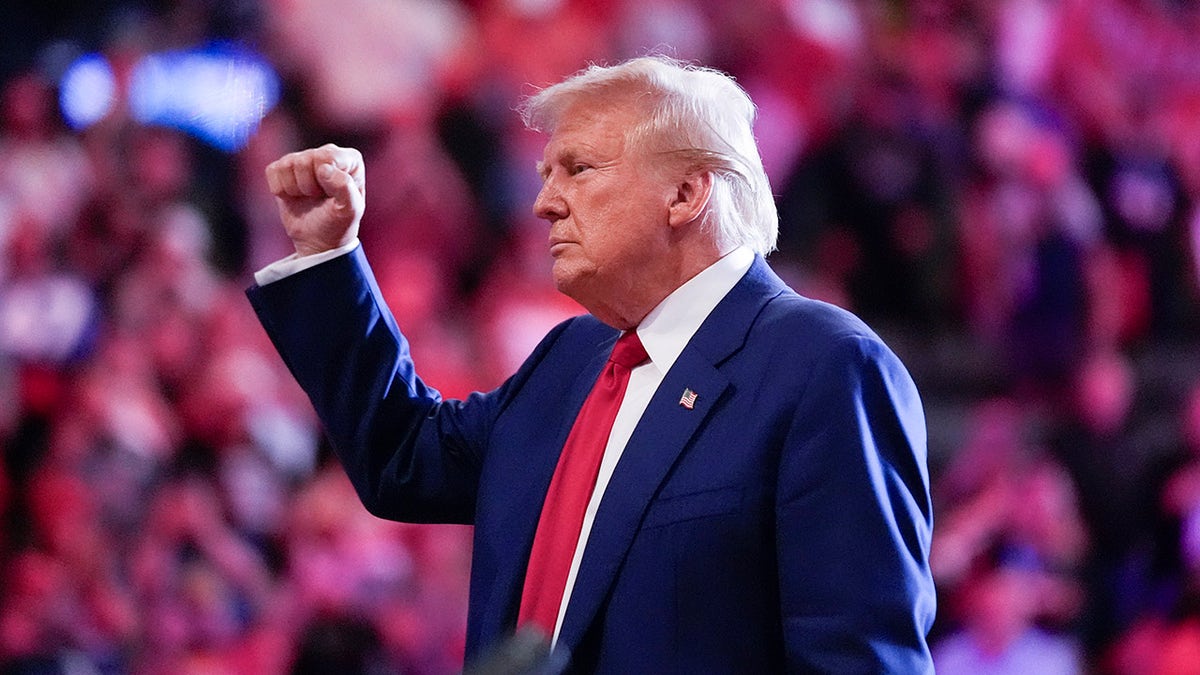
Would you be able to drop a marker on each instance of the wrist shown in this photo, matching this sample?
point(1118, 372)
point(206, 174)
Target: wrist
point(297, 263)
point(305, 248)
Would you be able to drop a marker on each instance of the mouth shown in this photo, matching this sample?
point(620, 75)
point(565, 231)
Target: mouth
point(557, 246)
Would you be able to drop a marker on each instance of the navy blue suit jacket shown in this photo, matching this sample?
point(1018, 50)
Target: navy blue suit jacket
point(783, 524)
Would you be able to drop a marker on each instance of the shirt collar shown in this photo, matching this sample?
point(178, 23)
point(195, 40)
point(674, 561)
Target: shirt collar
point(668, 328)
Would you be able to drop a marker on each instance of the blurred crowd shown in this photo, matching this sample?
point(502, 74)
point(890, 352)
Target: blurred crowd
point(1007, 189)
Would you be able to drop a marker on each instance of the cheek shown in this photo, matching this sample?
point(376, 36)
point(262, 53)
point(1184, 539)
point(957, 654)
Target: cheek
point(617, 225)
point(613, 232)
point(595, 222)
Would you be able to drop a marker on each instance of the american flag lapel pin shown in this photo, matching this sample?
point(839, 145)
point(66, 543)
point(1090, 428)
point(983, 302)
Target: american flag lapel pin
point(688, 400)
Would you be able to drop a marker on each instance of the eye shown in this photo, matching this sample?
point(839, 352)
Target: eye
point(578, 168)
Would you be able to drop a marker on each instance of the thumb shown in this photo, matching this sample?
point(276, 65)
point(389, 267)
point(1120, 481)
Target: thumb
point(334, 182)
point(341, 187)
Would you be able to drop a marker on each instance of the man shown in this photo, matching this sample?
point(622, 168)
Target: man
point(757, 499)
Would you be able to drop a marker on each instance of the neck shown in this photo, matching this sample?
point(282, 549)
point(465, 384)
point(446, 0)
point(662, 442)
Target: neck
point(641, 293)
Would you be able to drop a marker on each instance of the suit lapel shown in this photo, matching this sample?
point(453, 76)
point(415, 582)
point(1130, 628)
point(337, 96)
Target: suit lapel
point(660, 436)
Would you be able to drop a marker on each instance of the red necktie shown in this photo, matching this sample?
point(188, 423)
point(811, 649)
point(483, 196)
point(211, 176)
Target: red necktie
point(571, 488)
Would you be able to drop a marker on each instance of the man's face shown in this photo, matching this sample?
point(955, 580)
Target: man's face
point(607, 206)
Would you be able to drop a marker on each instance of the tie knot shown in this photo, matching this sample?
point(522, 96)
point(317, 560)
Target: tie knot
point(629, 351)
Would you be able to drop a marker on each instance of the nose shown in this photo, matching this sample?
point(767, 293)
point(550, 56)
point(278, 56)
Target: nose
point(549, 204)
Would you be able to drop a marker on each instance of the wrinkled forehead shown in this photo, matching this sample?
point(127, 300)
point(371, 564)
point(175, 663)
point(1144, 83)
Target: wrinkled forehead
point(593, 124)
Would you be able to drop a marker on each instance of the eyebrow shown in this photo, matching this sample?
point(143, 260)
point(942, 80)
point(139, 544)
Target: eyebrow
point(564, 158)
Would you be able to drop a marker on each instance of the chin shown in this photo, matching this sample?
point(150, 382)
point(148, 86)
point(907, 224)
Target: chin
point(568, 286)
point(567, 276)
point(574, 283)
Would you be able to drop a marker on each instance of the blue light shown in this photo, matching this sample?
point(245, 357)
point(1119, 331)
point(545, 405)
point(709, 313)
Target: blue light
point(87, 92)
point(219, 93)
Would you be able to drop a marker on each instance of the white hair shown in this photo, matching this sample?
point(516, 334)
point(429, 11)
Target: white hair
point(697, 114)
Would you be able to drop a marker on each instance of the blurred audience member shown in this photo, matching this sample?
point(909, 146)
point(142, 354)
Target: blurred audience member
point(1000, 604)
point(1008, 551)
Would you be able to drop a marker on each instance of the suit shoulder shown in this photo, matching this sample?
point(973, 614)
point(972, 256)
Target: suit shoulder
point(570, 338)
point(586, 325)
point(813, 323)
point(580, 331)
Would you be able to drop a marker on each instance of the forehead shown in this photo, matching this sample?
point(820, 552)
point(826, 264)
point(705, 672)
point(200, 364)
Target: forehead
point(591, 125)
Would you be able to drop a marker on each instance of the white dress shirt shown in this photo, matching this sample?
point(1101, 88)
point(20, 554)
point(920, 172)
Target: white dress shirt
point(664, 333)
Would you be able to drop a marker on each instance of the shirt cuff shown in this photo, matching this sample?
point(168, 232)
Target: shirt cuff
point(295, 263)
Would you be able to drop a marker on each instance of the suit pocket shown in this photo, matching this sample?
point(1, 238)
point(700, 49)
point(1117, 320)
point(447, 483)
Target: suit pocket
point(690, 506)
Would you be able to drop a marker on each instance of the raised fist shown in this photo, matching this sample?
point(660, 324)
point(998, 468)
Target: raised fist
point(321, 194)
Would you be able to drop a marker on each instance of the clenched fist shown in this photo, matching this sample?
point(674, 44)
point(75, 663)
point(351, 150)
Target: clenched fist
point(321, 194)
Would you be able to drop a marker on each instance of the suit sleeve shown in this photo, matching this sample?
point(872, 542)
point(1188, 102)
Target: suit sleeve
point(854, 518)
point(410, 454)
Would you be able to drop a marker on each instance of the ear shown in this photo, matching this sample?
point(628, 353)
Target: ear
point(690, 198)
